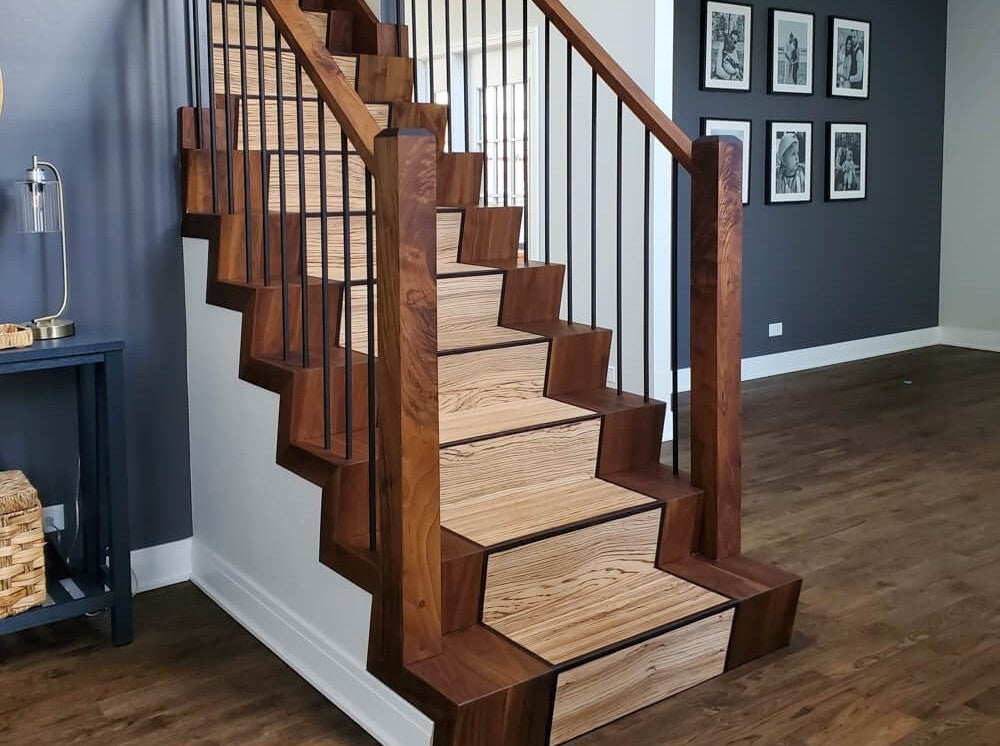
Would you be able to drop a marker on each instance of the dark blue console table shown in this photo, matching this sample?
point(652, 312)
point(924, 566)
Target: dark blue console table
point(102, 577)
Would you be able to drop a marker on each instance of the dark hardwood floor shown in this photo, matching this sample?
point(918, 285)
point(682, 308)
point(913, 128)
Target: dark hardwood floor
point(877, 481)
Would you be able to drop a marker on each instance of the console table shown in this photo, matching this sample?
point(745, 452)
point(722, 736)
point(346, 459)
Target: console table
point(102, 578)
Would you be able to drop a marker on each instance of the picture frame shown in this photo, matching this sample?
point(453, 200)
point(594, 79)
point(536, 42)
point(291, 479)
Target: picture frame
point(846, 161)
point(791, 52)
point(789, 173)
point(742, 130)
point(850, 58)
point(726, 46)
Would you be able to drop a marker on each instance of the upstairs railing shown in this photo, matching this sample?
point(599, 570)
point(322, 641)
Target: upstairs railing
point(567, 219)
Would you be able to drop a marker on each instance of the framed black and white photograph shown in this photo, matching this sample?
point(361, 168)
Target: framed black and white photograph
point(789, 162)
point(740, 129)
point(791, 44)
point(726, 46)
point(847, 161)
point(850, 45)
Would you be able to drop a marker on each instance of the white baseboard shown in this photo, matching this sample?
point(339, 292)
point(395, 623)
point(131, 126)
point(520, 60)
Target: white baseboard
point(976, 339)
point(160, 566)
point(794, 361)
point(314, 657)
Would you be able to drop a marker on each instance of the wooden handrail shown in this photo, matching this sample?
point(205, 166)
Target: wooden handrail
point(326, 75)
point(637, 100)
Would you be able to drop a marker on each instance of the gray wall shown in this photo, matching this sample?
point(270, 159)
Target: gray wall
point(93, 86)
point(834, 272)
point(970, 259)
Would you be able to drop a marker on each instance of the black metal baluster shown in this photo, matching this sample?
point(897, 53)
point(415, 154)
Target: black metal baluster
point(447, 69)
point(196, 31)
point(645, 268)
point(265, 165)
point(370, 258)
point(303, 222)
point(547, 143)
point(466, 87)
point(324, 231)
point(413, 50)
point(212, 106)
point(593, 201)
point(618, 256)
point(525, 124)
point(506, 111)
point(674, 323)
point(226, 74)
point(486, 155)
point(248, 217)
point(282, 194)
point(345, 185)
point(430, 51)
point(400, 18)
point(569, 181)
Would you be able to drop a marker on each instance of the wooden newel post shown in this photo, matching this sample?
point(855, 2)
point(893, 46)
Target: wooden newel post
point(716, 330)
point(407, 385)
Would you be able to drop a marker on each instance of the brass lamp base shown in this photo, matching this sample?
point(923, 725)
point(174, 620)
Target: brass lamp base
point(53, 329)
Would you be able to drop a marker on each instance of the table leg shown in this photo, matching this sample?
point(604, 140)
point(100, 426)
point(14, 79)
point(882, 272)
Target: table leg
point(111, 416)
point(89, 516)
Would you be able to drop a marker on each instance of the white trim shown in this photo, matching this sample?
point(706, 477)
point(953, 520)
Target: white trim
point(976, 339)
point(818, 357)
point(315, 657)
point(160, 566)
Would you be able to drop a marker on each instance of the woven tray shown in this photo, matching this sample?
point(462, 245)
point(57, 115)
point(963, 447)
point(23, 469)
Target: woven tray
point(12, 335)
point(22, 546)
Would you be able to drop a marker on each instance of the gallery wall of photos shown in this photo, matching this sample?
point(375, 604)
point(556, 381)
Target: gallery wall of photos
point(728, 38)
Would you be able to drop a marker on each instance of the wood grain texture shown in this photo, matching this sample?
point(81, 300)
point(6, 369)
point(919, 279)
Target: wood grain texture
point(495, 419)
point(634, 97)
point(449, 228)
point(334, 183)
point(596, 693)
point(310, 125)
point(532, 293)
point(460, 179)
point(385, 79)
point(327, 76)
point(317, 21)
point(567, 596)
point(407, 380)
point(482, 379)
point(431, 117)
point(579, 361)
point(461, 581)
point(716, 328)
point(347, 64)
point(490, 233)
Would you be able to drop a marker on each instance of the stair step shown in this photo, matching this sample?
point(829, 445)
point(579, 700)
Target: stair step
point(623, 682)
point(332, 133)
point(348, 65)
point(487, 378)
point(510, 417)
point(317, 20)
point(566, 597)
point(468, 315)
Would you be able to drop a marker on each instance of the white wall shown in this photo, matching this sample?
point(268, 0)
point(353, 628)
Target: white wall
point(256, 529)
point(970, 241)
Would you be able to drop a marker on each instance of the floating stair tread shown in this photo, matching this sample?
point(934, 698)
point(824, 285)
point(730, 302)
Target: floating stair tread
point(571, 595)
point(336, 453)
point(493, 519)
point(498, 419)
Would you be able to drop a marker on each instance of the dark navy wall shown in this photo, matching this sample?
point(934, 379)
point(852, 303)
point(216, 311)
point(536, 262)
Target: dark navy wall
point(834, 272)
point(93, 86)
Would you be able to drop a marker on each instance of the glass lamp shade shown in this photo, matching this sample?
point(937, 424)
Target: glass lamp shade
point(38, 207)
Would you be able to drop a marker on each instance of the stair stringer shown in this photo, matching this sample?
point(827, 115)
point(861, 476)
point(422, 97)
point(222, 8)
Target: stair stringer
point(256, 538)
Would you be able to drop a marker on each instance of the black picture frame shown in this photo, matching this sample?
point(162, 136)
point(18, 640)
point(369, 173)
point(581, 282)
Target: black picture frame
point(834, 91)
point(705, 84)
point(770, 197)
point(771, 50)
point(830, 166)
point(747, 149)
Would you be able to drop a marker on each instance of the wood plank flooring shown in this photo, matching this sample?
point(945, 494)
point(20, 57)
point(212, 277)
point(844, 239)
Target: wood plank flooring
point(883, 495)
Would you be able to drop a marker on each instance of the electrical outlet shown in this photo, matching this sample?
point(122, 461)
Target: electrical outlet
point(612, 376)
point(54, 518)
point(776, 330)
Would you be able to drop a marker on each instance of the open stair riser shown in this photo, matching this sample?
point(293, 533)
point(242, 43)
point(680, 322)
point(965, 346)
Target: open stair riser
point(591, 514)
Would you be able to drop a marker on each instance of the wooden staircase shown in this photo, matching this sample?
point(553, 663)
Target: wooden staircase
point(576, 585)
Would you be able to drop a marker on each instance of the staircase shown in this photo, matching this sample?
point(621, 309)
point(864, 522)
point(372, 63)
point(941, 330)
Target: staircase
point(537, 572)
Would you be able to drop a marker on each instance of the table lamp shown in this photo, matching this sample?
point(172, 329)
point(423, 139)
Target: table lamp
point(40, 210)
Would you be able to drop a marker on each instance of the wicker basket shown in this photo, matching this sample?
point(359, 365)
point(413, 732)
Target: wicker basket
point(12, 335)
point(22, 546)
